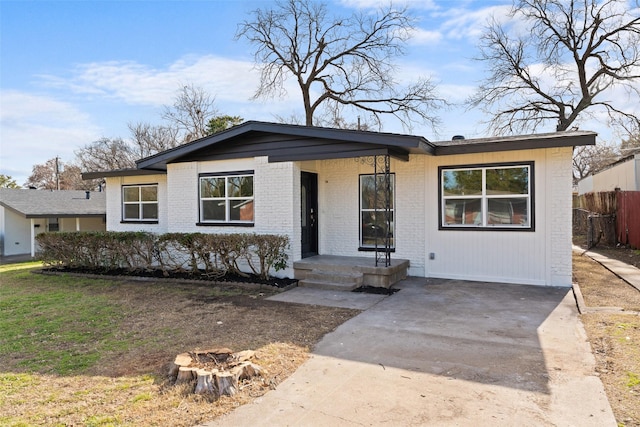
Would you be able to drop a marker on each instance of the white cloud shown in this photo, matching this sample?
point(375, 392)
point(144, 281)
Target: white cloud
point(231, 82)
point(420, 36)
point(375, 4)
point(35, 128)
point(139, 84)
point(466, 24)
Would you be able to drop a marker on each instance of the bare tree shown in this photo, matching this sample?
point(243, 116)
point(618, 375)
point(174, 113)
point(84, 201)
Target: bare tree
point(630, 145)
point(71, 179)
point(106, 154)
point(338, 61)
point(57, 175)
point(149, 140)
point(592, 158)
point(191, 112)
point(573, 54)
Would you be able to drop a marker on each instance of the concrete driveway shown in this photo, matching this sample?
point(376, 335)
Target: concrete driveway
point(445, 353)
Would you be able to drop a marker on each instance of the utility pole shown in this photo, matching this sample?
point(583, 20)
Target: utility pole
point(57, 174)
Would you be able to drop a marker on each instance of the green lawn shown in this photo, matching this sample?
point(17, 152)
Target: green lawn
point(38, 313)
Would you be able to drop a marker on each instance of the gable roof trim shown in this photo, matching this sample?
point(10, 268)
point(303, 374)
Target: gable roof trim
point(384, 140)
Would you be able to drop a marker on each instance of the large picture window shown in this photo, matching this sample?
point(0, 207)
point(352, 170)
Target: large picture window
point(373, 223)
point(487, 196)
point(140, 202)
point(226, 198)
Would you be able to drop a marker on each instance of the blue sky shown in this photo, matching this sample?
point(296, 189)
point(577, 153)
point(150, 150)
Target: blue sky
point(72, 72)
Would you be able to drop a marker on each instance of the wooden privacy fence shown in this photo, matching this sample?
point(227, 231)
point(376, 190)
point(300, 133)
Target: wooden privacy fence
point(628, 218)
point(608, 217)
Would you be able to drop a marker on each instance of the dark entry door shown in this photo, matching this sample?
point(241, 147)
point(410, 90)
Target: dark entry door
point(309, 205)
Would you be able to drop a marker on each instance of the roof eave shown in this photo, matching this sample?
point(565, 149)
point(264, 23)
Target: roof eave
point(410, 142)
point(554, 141)
point(65, 215)
point(121, 172)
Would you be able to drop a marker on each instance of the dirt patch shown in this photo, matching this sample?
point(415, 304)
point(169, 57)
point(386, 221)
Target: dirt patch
point(130, 385)
point(614, 337)
point(601, 288)
point(184, 317)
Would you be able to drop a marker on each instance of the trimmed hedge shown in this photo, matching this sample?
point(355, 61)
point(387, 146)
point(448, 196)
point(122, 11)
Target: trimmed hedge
point(214, 255)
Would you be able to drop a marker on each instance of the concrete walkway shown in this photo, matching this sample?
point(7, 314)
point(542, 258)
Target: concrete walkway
point(626, 272)
point(445, 353)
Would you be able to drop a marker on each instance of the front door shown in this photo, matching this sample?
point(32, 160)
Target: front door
point(309, 205)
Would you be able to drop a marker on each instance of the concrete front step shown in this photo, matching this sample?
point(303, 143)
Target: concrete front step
point(376, 276)
point(332, 280)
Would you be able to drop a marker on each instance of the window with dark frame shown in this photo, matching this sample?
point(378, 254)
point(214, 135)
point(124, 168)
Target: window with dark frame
point(226, 198)
point(140, 202)
point(493, 196)
point(373, 223)
point(53, 224)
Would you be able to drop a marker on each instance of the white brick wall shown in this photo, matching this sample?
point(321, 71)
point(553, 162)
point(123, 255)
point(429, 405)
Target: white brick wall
point(541, 257)
point(338, 207)
point(114, 203)
point(559, 188)
point(182, 193)
point(274, 198)
point(339, 222)
point(410, 213)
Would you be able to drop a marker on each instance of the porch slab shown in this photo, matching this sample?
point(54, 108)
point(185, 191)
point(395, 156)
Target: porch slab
point(381, 277)
point(355, 300)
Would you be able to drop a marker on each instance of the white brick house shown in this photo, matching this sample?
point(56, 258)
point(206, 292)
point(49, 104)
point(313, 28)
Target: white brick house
point(491, 209)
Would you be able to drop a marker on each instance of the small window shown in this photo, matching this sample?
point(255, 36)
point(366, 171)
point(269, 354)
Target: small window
point(140, 203)
point(487, 196)
point(374, 226)
point(53, 224)
point(226, 198)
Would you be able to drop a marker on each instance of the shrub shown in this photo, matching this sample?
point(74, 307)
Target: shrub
point(212, 255)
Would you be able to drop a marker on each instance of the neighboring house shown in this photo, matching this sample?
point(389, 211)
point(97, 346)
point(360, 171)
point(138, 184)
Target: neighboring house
point(26, 213)
point(623, 174)
point(491, 209)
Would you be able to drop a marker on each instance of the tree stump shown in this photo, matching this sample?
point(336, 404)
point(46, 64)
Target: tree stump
point(206, 383)
point(215, 371)
point(183, 359)
point(227, 383)
point(185, 374)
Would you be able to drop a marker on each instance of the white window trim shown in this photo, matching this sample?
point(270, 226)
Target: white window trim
point(226, 199)
point(484, 198)
point(140, 203)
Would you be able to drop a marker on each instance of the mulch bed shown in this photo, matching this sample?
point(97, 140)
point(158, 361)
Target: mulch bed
point(280, 283)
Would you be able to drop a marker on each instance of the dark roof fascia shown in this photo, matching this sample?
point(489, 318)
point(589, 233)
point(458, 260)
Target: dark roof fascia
point(520, 142)
point(122, 172)
point(410, 142)
point(57, 215)
point(402, 156)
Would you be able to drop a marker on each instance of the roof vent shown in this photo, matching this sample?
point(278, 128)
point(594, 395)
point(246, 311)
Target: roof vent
point(457, 137)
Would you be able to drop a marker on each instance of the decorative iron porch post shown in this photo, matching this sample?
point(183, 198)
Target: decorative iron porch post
point(382, 168)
